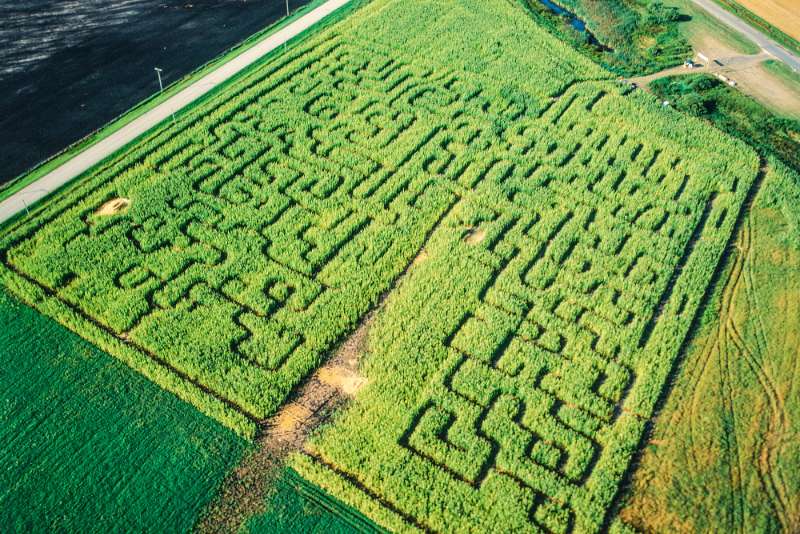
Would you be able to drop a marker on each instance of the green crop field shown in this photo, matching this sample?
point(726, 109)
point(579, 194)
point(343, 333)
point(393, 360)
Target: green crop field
point(571, 230)
point(87, 445)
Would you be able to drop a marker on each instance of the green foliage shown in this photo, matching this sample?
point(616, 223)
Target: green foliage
point(660, 15)
point(298, 506)
point(89, 445)
point(633, 38)
point(734, 113)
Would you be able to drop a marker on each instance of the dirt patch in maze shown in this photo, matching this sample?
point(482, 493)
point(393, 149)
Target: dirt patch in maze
point(244, 493)
point(343, 379)
point(113, 207)
point(475, 236)
point(422, 257)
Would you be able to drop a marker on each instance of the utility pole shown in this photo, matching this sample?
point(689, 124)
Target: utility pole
point(158, 73)
point(161, 86)
point(286, 43)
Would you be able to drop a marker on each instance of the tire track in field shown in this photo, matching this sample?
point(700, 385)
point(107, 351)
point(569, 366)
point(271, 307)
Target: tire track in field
point(715, 355)
point(698, 398)
point(727, 374)
point(729, 333)
point(766, 455)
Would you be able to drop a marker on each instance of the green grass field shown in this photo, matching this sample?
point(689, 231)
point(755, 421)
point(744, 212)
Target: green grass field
point(89, 445)
point(724, 454)
point(297, 506)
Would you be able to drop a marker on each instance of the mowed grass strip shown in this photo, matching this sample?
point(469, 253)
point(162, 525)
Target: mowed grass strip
point(89, 445)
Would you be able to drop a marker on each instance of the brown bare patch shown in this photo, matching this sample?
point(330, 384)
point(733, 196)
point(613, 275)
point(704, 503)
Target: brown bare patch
point(422, 257)
point(292, 418)
point(113, 207)
point(244, 492)
point(475, 236)
point(342, 379)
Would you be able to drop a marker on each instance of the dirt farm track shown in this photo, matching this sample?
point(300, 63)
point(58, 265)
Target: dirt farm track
point(783, 14)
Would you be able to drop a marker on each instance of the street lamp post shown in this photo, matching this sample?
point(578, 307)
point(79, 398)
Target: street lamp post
point(287, 8)
point(158, 73)
point(161, 86)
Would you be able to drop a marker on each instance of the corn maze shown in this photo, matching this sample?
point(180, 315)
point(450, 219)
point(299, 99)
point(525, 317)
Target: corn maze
point(571, 229)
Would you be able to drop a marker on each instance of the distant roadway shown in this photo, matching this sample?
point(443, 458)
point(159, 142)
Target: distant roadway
point(102, 149)
point(768, 45)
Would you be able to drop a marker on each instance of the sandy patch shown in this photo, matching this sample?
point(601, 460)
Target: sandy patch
point(783, 14)
point(343, 379)
point(769, 89)
point(422, 257)
point(113, 207)
point(475, 236)
point(292, 417)
point(713, 47)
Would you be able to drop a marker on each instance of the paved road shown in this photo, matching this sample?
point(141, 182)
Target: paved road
point(768, 45)
point(99, 151)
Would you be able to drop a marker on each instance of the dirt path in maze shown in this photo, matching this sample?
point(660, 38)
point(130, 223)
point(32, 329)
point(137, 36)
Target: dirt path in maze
point(244, 492)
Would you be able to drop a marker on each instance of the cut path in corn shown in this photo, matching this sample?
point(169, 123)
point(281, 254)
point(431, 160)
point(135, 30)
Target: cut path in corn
point(93, 155)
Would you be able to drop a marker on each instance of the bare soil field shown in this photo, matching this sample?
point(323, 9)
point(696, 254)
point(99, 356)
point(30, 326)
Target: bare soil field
point(783, 14)
point(769, 89)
